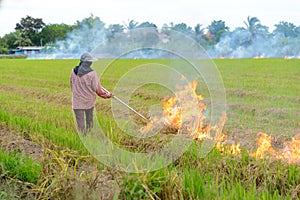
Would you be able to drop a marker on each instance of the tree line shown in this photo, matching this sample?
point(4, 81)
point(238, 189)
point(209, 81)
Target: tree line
point(32, 31)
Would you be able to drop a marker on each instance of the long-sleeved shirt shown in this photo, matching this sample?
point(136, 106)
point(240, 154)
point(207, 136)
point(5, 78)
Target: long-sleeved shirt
point(84, 90)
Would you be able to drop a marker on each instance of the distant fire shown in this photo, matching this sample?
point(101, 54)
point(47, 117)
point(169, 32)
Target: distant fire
point(258, 57)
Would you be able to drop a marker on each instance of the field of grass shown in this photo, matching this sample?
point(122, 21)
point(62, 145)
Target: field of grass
point(263, 95)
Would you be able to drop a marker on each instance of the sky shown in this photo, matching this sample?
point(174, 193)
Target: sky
point(191, 12)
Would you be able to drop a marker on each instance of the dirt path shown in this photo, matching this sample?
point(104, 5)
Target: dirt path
point(9, 141)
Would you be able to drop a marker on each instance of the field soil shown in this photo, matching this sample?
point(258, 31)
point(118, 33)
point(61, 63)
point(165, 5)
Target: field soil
point(10, 141)
point(103, 184)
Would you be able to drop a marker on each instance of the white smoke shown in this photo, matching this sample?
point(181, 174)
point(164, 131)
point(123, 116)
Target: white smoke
point(86, 37)
point(239, 44)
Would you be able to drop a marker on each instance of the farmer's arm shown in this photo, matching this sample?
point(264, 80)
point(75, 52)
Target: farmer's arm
point(98, 88)
point(100, 92)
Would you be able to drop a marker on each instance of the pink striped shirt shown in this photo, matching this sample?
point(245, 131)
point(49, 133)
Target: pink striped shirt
point(84, 90)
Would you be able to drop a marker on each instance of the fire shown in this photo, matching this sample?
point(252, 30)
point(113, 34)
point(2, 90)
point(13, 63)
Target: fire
point(185, 97)
point(232, 149)
point(172, 112)
point(264, 146)
point(258, 57)
point(290, 153)
point(147, 128)
point(224, 145)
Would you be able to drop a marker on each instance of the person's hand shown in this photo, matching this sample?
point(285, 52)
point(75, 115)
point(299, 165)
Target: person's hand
point(107, 95)
point(111, 95)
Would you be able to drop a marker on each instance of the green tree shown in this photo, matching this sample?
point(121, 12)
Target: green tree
point(30, 28)
point(30, 25)
point(52, 32)
point(151, 38)
point(147, 25)
point(183, 28)
point(216, 29)
point(3, 46)
point(286, 29)
point(132, 24)
point(87, 34)
point(199, 32)
point(21, 39)
point(255, 29)
point(252, 24)
point(10, 40)
point(114, 29)
point(90, 22)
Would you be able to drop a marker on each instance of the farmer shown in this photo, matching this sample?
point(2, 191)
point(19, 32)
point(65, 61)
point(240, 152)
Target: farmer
point(85, 85)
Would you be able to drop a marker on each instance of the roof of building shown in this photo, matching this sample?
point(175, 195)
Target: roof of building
point(29, 48)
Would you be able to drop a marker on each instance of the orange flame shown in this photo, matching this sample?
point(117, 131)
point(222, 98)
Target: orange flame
point(290, 153)
point(173, 117)
point(172, 112)
point(264, 146)
point(224, 145)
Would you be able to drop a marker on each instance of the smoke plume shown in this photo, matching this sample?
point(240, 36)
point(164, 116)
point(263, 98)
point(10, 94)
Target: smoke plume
point(239, 43)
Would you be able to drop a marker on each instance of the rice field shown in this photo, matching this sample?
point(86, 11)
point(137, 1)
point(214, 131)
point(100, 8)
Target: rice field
point(42, 156)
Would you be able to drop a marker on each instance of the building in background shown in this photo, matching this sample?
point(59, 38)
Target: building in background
point(25, 50)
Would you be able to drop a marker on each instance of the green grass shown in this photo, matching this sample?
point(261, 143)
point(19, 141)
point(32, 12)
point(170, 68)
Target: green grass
point(262, 95)
point(19, 166)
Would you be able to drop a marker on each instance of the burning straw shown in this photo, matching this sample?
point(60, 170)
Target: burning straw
point(174, 122)
point(193, 123)
point(290, 153)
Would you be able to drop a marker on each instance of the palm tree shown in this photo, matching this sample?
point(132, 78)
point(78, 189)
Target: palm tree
point(21, 40)
point(252, 25)
point(251, 22)
point(199, 32)
point(132, 24)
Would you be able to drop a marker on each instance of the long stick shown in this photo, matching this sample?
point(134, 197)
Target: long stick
point(130, 108)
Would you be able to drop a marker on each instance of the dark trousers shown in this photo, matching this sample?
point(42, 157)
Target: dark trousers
point(79, 114)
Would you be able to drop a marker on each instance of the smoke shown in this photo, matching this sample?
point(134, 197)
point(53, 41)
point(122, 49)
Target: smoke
point(93, 37)
point(241, 44)
point(86, 37)
point(136, 43)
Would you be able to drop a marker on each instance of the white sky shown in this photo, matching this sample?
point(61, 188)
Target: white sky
point(191, 12)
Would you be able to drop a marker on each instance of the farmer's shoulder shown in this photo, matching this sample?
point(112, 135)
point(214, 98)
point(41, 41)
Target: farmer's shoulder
point(90, 76)
point(93, 74)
